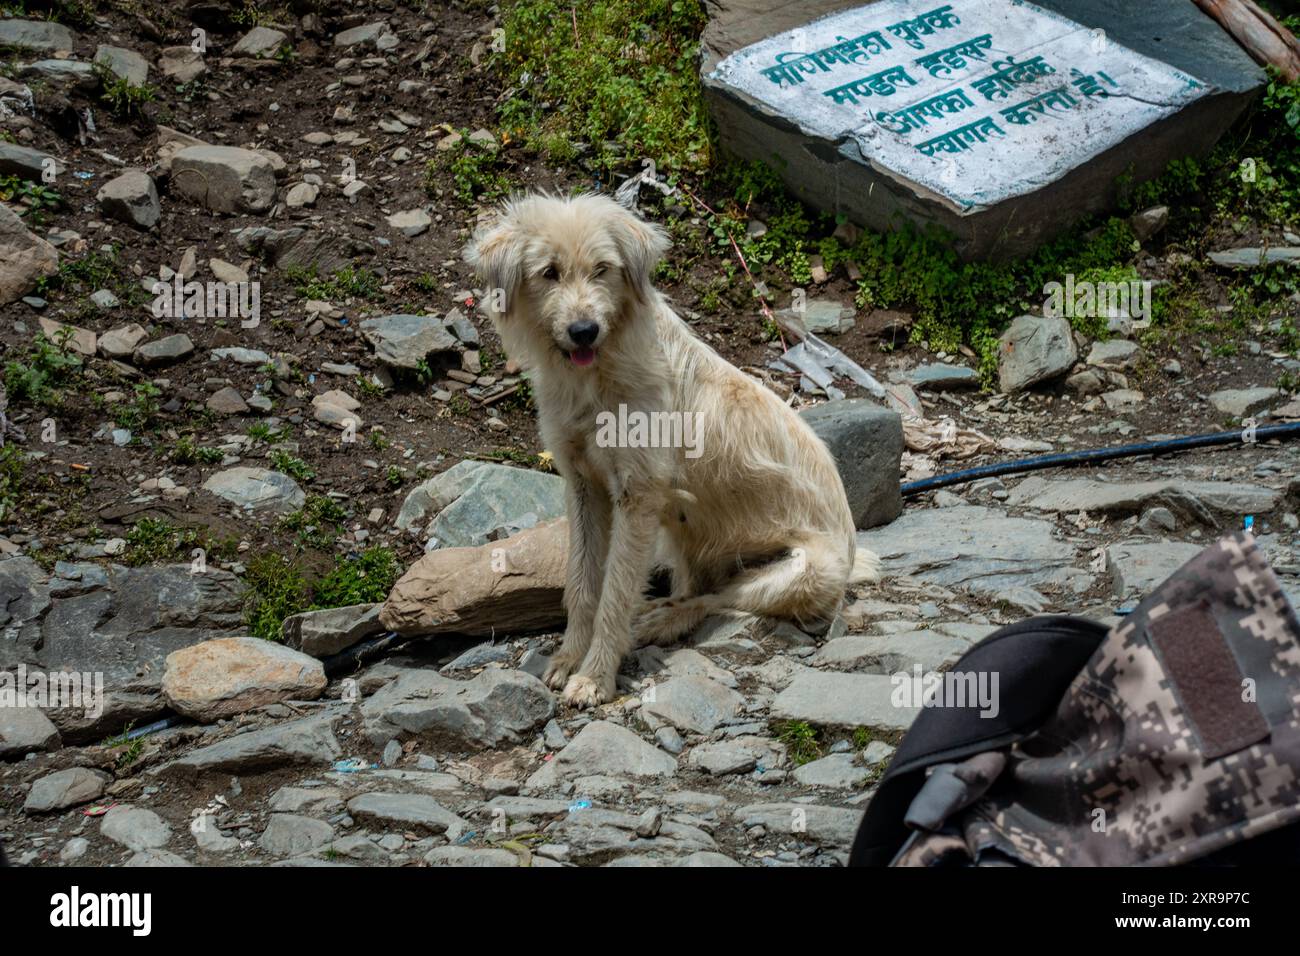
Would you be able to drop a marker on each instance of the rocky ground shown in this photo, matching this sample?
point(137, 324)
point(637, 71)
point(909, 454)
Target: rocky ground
point(297, 154)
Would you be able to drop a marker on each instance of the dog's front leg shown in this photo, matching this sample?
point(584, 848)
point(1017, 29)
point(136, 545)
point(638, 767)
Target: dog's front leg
point(588, 509)
point(631, 553)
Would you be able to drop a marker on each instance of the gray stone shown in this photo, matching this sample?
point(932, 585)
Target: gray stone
point(867, 444)
point(224, 178)
point(123, 63)
point(131, 198)
point(410, 222)
point(73, 75)
point(257, 489)
point(831, 826)
point(24, 257)
point(493, 708)
point(371, 33)
point(408, 811)
point(1243, 402)
point(738, 755)
point(1000, 198)
point(65, 788)
point(1114, 354)
point(831, 699)
point(1254, 257)
point(835, 771)
point(135, 828)
point(181, 64)
point(941, 377)
point(44, 36)
point(466, 856)
point(288, 834)
point(1035, 349)
point(605, 749)
point(821, 316)
point(227, 401)
point(1148, 222)
point(120, 622)
point(977, 548)
point(473, 499)
point(595, 835)
point(259, 42)
point(25, 730)
point(25, 162)
point(404, 341)
point(322, 633)
point(1194, 500)
point(480, 656)
point(692, 703)
point(157, 858)
point(298, 799)
point(164, 351)
point(1138, 568)
point(891, 653)
point(309, 741)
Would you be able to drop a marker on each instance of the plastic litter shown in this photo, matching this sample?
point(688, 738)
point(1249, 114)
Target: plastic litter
point(354, 765)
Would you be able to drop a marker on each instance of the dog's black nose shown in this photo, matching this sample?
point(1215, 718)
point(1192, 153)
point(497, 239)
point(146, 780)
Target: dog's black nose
point(583, 333)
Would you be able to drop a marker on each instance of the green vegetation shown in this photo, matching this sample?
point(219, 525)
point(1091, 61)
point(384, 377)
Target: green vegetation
point(802, 740)
point(346, 283)
point(139, 413)
point(279, 588)
point(38, 376)
point(153, 541)
point(475, 169)
point(35, 199)
point(290, 465)
point(317, 523)
point(187, 451)
point(620, 74)
point(11, 479)
point(123, 98)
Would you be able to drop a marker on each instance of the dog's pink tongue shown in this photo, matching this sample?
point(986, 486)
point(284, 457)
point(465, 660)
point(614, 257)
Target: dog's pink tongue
point(583, 356)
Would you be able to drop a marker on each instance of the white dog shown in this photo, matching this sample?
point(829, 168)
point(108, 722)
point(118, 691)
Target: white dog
point(749, 516)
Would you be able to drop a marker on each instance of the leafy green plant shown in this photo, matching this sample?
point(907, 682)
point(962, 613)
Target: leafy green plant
point(802, 740)
point(123, 98)
point(365, 580)
point(291, 465)
point(48, 365)
point(186, 451)
point(475, 169)
point(347, 282)
point(139, 413)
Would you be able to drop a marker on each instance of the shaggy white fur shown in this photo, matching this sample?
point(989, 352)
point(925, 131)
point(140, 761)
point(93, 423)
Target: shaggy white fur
point(755, 519)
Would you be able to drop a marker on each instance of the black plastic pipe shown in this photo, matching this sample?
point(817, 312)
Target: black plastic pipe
point(1093, 455)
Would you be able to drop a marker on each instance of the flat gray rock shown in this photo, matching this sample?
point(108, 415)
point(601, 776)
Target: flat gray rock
point(289, 834)
point(257, 489)
point(832, 826)
point(1195, 500)
point(65, 788)
point(26, 730)
point(473, 502)
point(404, 341)
point(1243, 402)
point(493, 708)
point(605, 749)
point(691, 703)
point(132, 198)
point(322, 633)
point(306, 742)
point(830, 699)
point(408, 811)
point(890, 653)
point(123, 63)
point(1138, 568)
point(970, 546)
point(225, 179)
point(834, 772)
point(1035, 349)
point(44, 36)
point(135, 828)
point(738, 755)
point(467, 856)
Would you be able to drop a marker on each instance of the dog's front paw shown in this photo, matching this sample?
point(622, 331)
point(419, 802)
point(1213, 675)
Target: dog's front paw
point(557, 672)
point(582, 692)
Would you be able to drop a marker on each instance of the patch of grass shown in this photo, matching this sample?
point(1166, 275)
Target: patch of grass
point(290, 465)
point(138, 414)
point(619, 75)
point(364, 580)
point(48, 366)
point(11, 478)
point(123, 98)
point(348, 282)
point(316, 523)
point(187, 451)
point(36, 199)
point(277, 590)
point(475, 169)
point(263, 433)
point(802, 740)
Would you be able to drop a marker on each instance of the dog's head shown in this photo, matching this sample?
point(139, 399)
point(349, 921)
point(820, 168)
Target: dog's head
point(564, 276)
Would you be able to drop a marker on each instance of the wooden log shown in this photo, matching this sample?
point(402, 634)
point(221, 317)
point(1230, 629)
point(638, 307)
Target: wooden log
point(1258, 33)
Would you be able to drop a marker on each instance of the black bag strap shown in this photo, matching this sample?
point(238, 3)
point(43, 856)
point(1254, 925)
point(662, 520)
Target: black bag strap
point(1035, 661)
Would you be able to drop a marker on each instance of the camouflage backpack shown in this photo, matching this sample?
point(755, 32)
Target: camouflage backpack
point(1172, 737)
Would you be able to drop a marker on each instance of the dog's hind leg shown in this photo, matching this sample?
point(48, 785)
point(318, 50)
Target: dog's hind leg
point(806, 587)
point(588, 508)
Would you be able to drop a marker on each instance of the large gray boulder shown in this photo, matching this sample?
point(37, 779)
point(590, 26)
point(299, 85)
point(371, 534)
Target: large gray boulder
point(224, 178)
point(473, 502)
point(404, 341)
point(123, 63)
point(24, 257)
point(867, 444)
point(43, 36)
point(131, 198)
point(24, 162)
point(1034, 349)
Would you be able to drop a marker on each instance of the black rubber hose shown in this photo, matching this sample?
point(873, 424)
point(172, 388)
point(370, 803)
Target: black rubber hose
point(1092, 455)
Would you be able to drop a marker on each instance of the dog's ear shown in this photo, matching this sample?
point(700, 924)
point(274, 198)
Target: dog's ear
point(641, 245)
point(494, 252)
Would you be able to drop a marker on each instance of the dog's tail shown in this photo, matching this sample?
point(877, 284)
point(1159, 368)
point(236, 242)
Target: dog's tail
point(866, 567)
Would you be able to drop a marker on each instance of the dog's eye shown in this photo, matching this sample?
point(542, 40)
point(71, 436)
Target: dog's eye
point(600, 271)
point(551, 274)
